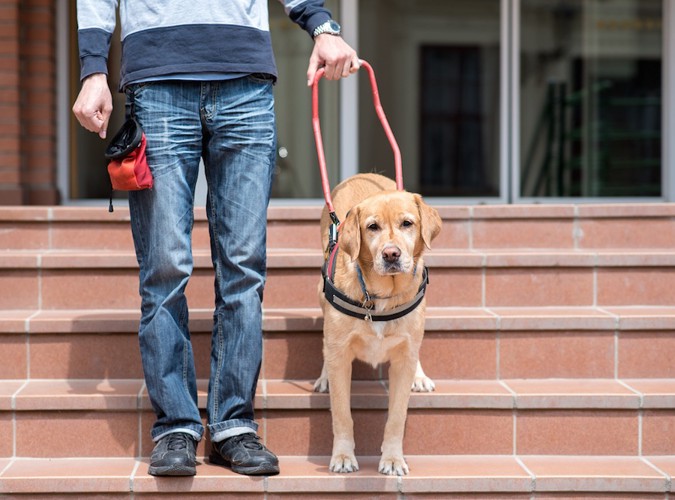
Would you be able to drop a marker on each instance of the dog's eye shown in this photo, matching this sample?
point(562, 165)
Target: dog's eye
point(373, 227)
point(406, 223)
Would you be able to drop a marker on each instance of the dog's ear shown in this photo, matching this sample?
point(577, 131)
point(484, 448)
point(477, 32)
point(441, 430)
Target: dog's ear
point(350, 234)
point(430, 221)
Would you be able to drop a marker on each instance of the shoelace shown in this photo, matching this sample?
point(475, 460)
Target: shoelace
point(177, 441)
point(249, 441)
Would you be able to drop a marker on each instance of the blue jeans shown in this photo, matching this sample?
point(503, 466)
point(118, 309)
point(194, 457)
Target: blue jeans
point(231, 125)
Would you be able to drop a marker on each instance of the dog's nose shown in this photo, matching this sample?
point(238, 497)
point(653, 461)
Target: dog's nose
point(391, 254)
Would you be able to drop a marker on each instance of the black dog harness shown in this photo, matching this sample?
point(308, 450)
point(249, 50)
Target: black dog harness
point(365, 310)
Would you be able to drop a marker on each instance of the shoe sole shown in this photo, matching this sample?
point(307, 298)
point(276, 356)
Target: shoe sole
point(173, 470)
point(265, 469)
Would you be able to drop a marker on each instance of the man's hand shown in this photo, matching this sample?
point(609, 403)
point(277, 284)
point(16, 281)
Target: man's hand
point(333, 54)
point(94, 104)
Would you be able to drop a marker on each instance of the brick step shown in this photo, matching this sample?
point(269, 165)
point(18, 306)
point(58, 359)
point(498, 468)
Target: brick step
point(549, 338)
point(520, 477)
point(460, 343)
point(578, 227)
point(93, 228)
point(106, 279)
point(112, 418)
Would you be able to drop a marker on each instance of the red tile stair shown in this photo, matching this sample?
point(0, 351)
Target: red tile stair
point(549, 335)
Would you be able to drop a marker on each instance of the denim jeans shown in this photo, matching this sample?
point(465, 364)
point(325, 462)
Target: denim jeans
point(231, 125)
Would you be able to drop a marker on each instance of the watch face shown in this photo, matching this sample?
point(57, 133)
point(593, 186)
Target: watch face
point(334, 26)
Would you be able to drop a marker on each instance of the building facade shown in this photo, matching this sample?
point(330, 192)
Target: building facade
point(491, 101)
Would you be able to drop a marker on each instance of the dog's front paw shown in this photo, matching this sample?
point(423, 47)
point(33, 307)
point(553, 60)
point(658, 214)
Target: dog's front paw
point(321, 384)
point(343, 463)
point(393, 466)
point(423, 384)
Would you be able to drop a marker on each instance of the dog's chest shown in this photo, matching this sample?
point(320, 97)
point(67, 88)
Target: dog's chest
point(375, 345)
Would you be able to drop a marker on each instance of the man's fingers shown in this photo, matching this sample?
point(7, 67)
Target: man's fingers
point(91, 121)
point(103, 132)
point(347, 69)
point(333, 71)
point(94, 121)
point(337, 58)
point(311, 74)
point(338, 69)
point(311, 71)
point(355, 65)
point(93, 105)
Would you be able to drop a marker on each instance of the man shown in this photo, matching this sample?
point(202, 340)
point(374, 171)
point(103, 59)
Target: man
point(198, 78)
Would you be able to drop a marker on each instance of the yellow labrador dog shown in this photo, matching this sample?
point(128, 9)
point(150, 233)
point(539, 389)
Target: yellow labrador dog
point(373, 305)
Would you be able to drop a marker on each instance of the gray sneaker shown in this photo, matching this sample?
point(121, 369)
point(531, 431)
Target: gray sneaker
point(245, 454)
point(174, 455)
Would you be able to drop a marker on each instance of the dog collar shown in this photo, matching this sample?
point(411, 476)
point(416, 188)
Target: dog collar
point(364, 310)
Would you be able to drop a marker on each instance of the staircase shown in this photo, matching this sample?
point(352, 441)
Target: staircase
point(549, 335)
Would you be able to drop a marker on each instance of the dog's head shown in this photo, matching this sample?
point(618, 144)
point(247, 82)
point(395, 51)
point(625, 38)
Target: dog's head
point(389, 231)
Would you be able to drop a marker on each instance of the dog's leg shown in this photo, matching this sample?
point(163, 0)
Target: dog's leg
point(421, 383)
point(401, 375)
point(321, 384)
point(339, 372)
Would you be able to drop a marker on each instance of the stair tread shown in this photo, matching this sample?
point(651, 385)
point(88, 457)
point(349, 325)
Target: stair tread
point(548, 394)
point(312, 257)
point(428, 474)
point(62, 213)
point(455, 319)
point(311, 210)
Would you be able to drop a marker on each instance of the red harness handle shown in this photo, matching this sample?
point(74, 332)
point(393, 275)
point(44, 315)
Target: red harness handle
point(319, 142)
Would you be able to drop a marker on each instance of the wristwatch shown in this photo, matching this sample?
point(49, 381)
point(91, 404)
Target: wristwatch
point(330, 27)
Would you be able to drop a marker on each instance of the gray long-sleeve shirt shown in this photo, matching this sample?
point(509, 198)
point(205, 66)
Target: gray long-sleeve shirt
point(174, 37)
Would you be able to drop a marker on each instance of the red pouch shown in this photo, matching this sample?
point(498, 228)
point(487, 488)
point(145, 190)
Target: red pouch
point(128, 166)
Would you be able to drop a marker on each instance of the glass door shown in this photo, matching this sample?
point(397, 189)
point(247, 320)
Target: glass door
point(297, 174)
point(591, 99)
point(438, 71)
point(491, 101)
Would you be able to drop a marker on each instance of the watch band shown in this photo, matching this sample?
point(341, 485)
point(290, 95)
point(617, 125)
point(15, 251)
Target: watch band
point(330, 27)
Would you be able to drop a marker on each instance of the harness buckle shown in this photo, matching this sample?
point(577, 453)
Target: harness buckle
point(368, 305)
point(333, 230)
point(332, 235)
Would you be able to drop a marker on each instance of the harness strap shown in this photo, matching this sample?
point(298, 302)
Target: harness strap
point(354, 309)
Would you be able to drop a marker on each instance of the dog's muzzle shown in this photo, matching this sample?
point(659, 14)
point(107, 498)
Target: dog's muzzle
point(391, 262)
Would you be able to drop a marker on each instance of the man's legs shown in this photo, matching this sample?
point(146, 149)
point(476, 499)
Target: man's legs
point(239, 155)
point(162, 220)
